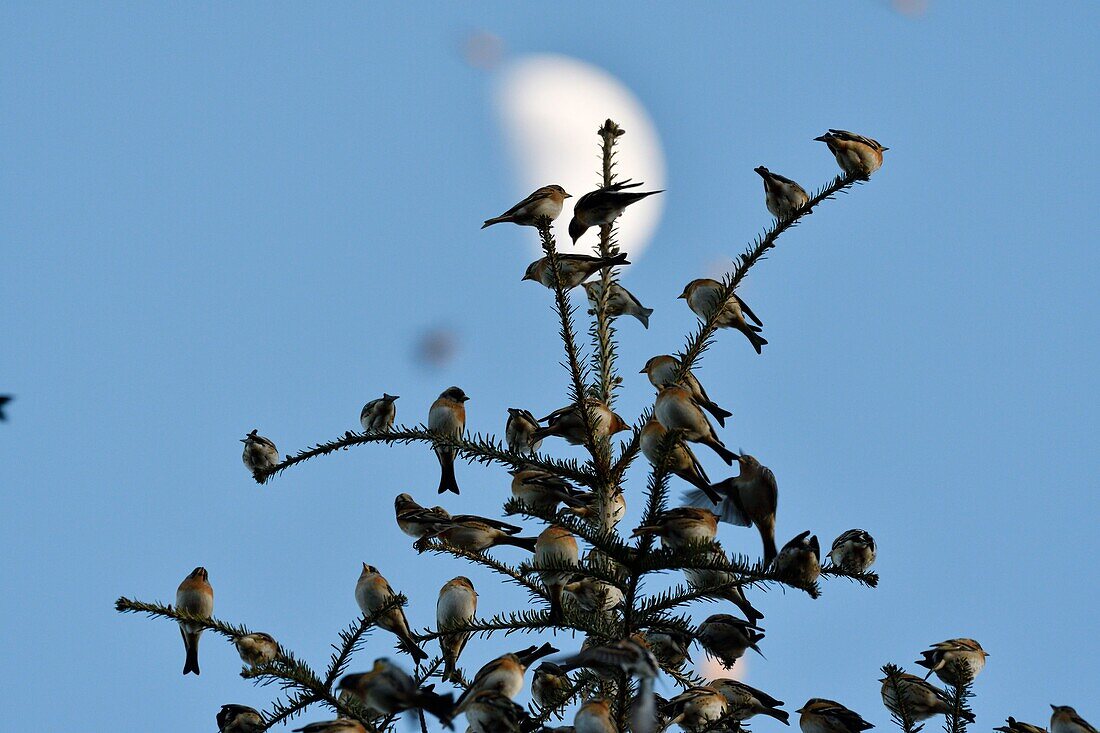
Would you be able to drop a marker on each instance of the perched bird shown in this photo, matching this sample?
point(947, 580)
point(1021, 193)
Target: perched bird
point(751, 497)
point(854, 550)
point(703, 296)
point(379, 414)
point(549, 685)
point(372, 592)
point(240, 719)
point(855, 154)
point(620, 301)
point(340, 725)
point(672, 648)
point(447, 417)
point(477, 534)
point(504, 674)
point(825, 716)
point(682, 526)
point(592, 594)
point(942, 657)
point(574, 269)
point(260, 454)
point(679, 461)
point(1065, 719)
point(783, 196)
point(388, 690)
point(696, 708)
point(630, 656)
point(798, 561)
point(555, 547)
point(544, 491)
point(456, 606)
point(726, 638)
point(706, 578)
point(568, 423)
point(594, 716)
point(603, 206)
point(1015, 726)
point(490, 711)
point(675, 410)
point(745, 702)
point(611, 514)
point(922, 699)
point(417, 521)
point(546, 201)
point(4, 400)
point(256, 649)
point(662, 370)
point(519, 429)
point(194, 596)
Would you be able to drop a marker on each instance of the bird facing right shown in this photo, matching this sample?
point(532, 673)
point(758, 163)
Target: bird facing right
point(825, 716)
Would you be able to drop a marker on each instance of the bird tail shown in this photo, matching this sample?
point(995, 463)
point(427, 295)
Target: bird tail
point(781, 715)
point(723, 452)
point(770, 550)
point(643, 316)
point(619, 259)
point(541, 433)
point(703, 490)
point(447, 481)
point(527, 543)
point(754, 338)
point(413, 650)
point(191, 645)
point(441, 706)
point(557, 615)
point(494, 220)
point(450, 671)
point(737, 597)
point(719, 414)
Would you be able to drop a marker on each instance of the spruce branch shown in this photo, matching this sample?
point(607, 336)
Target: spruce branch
point(958, 695)
point(605, 541)
point(902, 715)
point(514, 575)
point(868, 579)
point(603, 332)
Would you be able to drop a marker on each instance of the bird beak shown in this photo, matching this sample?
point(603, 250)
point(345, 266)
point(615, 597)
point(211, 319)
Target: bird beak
point(801, 710)
point(525, 277)
point(885, 149)
point(641, 371)
point(820, 139)
point(681, 296)
point(569, 195)
point(244, 440)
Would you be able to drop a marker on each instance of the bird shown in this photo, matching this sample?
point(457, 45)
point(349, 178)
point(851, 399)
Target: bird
point(707, 578)
point(620, 301)
point(477, 534)
point(549, 685)
point(675, 410)
point(799, 560)
point(1015, 726)
point(782, 195)
point(682, 527)
point(372, 592)
point(609, 515)
point(240, 719)
point(703, 297)
point(543, 491)
point(518, 430)
point(592, 594)
point(379, 414)
point(257, 648)
point(260, 454)
point(4, 400)
point(726, 638)
point(855, 154)
point(388, 690)
point(678, 459)
point(745, 702)
point(603, 206)
point(1065, 719)
point(662, 370)
point(922, 699)
point(546, 201)
point(825, 716)
point(194, 597)
point(751, 497)
point(630, 656)
point(456, 606)
point(490, 711)
point(594, 716)
point(853, 551)
point(573, 269)
point(504, 674)
point(568, 423)
point(340, 725)
point(942, 657)
point(447, 417)
point(555, 547)
point(671, 648)
point(696, 708)
point(417, 521)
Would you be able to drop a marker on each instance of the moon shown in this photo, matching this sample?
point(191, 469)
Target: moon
point(550, 107)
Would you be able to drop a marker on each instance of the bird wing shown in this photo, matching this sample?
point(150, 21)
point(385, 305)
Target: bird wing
point(748, 311)
point(771, 488)
point(539, 194)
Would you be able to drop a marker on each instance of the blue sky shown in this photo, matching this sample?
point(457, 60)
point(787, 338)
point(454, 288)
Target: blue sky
point(223, 217)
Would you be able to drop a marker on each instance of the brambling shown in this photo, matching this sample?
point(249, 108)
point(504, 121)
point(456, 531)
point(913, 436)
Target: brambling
point(696, 708)
point(942, 656)
point(4, 400)
point(703, 297)
point(679, 461)
point(340, 725)
point(1065, 719)
point(379, 414)
point(675, 410)
point(662, 370)
point(603, 206)
point(620, 301)
point(671, 648)
point(456, 606)
point(546, 201)
point(726, 637)
point(613, 511)
point(388, 690)
point(798, 561)
point(489, 711)
point(194, 596)
point(745, 702)
point(1015, 726)
point(922, 699)
point(681, 527)
point(630, 656)
point(256, 649)
point(782, 195)
point(549, 685)
point(825, 716)
point(240, 719)
point(518, 430)
point(751, 497)
point(417, 521)
point(371, 593)
point(504, 674)
point(544, 491)
point(855, 154)
point(555, 547)
point(477, 534)
point(854, 550)
point(594, 716)
point(260, 454)
point(447, 417)
point(573, 269)
point(593, 595)
point(705, 578)
point(568, 423)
